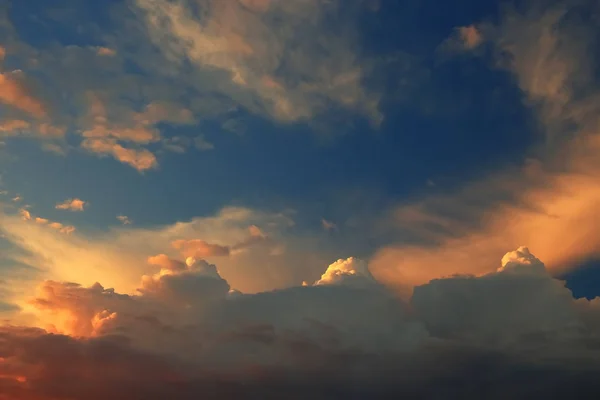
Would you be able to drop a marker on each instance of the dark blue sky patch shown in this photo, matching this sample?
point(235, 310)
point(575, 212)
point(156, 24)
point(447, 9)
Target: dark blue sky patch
point(584, 279)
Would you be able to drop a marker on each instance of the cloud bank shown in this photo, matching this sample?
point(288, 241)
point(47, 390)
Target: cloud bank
point(185, 333)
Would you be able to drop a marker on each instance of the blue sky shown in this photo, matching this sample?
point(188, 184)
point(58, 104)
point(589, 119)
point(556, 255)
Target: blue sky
point(248, 175)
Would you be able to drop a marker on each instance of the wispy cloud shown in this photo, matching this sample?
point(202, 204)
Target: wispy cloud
point(243, 40)
point(138, 158)
point(328, 225)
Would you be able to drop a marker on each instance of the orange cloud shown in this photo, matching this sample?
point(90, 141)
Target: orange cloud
point(72, 205)
point(140, 159)
point(13, 125)
point(197, 248)
point(14, 93)
point(25, 214)
point(164, 262)
point(470, 36)
point(67, 229)
point(101, 127)
point(105, 51)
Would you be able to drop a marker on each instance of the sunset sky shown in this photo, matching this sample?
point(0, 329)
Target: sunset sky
point(299, 198)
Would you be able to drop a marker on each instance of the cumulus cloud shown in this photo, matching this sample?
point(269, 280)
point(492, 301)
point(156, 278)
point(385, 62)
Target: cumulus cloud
point(193, 296)
point(350, 271)
point(74, 204)
point(501, 308)
point(185, 324)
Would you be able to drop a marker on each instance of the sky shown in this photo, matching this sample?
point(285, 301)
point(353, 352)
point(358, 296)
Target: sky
point(283, 198)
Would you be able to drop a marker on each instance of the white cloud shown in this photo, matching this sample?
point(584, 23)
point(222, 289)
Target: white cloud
point(351, 271)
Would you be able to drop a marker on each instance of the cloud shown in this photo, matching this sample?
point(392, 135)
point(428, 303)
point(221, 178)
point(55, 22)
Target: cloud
point(30, 218)
point(14, 93)
point(163, 64)
point(264, 258)
point(186, 296)
point(343, 272)
point(197, 248)
point(470, 36)
point(124, 219)
point(510, 332)
point(13, 126)
point(25, 214)
point(463, 39)
point(546, 201)
point(243, 42)
point(105, 51)
point(501, 308)
point(72, 205)
point(140, 159)
point(140, 131)
point(328, 225)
